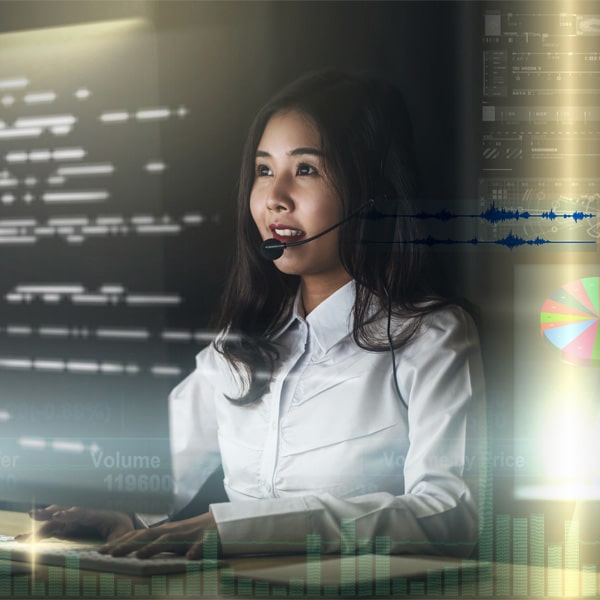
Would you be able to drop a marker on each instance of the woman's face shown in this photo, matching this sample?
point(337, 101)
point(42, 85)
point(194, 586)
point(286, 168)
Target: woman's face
point(293, 199)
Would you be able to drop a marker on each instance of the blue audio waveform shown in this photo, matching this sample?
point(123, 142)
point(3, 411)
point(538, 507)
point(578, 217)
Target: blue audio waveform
point(510, 241)
point(495, 215)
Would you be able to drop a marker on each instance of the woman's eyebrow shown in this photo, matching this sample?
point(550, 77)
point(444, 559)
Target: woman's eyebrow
point(294, 152)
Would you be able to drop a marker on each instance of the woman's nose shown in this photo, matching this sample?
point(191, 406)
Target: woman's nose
point(279, 197)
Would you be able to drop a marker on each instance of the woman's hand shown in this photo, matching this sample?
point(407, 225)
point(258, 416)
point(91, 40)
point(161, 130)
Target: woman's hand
point(75, 522)
point(181, 537)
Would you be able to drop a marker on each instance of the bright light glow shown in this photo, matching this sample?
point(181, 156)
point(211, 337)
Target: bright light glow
point(92, 196)
point(89, 299)
point(112, 289)
point(114, 117)
point(49, 289)
point(13, 157)
point(13, 83)
point(58, 221)
point(45, 121)
point(61, 129)
point(18, 330)
point(193, 219)
point(78, 366)
point(130, 334)
point(18, 240)
point(15, 363)
point(165, 370)
point(4, 416)
point(572, 464)
point(8, 198)
point(109, 220)
point(39, 155)
point(158, 229)
point(177, 336)
point(20, 133)
point(67, 446)
point(152, 113)
point(49, 365)
point(36, 443)
point(155, 167)
point(54, 331)
point(141, 300)
point(55, 180)
point(39, 97)
point(4, 183)
point(111, 368)
point(91, 169)
point(82, 94)
point(68, 153)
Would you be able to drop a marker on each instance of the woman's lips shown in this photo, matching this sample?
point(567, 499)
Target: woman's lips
point(286, 234)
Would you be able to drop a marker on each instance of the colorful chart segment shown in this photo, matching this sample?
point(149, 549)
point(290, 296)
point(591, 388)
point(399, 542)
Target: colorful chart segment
point(569, 320)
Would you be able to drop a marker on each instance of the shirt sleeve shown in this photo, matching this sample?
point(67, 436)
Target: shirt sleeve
point(193, 429)
point(440, 376)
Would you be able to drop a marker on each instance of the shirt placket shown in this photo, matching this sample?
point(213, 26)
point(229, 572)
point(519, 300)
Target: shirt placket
point(272, 439)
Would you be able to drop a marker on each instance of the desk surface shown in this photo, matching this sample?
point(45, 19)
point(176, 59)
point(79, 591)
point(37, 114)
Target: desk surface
point(281, 576)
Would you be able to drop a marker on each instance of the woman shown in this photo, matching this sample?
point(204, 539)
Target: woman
point(341, 392)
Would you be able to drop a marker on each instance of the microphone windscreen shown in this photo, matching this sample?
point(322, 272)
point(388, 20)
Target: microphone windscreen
point(272, 249)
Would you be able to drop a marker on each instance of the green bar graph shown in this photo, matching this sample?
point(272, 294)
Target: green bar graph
point(572, 558)
point(365, 568)
point(38, 587)
point(434, 583)
point(158, 585)
point(55, 582)
point(313, 565)
point(536, 555)
point(5, 573)
point(520, 557)
point(72, 575)
point(90, 586)
point(175, 587)
point(555, 573)
point(382, 565)
point(107, 585)
point(21, 586)
point(209, 552)
point(124, 588)
point(141, 590)
point(589, 580)
point(348, 549)
point(227, 583)
point(468, 579)
point(417, 588)
point(296, 587)
point(261, 589)
point(192, 579)
point(451, 582)
point(399, 586)
point(502, 555)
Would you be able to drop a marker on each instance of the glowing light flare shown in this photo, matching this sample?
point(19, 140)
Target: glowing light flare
point(569, 447)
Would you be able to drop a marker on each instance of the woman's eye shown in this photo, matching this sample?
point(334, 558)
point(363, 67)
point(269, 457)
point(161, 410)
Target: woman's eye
point(263, 171)
point(306, 170)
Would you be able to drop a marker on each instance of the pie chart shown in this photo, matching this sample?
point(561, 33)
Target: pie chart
point(569, 320)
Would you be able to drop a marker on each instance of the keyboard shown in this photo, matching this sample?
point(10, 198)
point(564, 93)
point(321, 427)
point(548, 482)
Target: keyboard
point(84, 556)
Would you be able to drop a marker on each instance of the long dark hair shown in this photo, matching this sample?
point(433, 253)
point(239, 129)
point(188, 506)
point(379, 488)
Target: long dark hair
point(366, 138)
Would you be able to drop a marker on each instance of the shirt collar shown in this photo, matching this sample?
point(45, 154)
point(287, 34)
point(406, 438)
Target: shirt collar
point(332, 319)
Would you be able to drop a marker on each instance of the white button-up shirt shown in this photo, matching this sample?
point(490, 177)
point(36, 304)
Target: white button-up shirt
point(331, 440)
